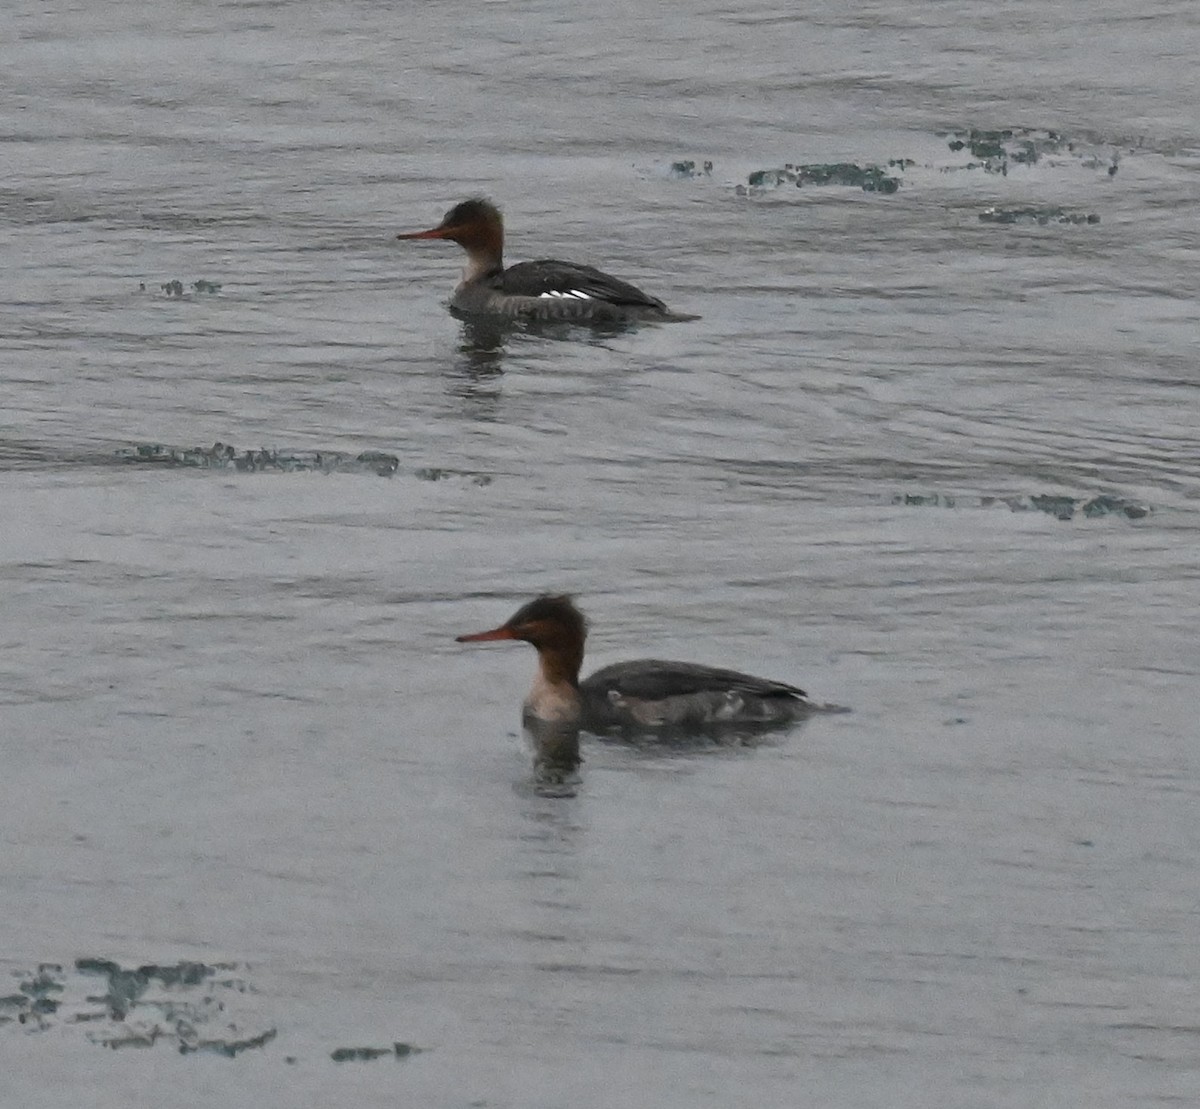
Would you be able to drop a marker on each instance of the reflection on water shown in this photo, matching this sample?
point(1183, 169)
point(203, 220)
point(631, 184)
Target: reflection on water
point(555, 755)
point(474, 375)
point(485, 338)
point(549, 841)
point(486, 344)
point(553, 829)
point(483, 342)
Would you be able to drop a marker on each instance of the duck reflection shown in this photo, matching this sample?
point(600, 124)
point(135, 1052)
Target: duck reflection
point(556, 755)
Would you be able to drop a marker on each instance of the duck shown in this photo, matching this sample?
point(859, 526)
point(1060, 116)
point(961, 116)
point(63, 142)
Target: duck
point(654, 697)
point(548, 289)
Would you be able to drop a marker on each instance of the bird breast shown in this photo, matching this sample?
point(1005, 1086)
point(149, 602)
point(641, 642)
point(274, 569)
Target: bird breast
point(553, 702)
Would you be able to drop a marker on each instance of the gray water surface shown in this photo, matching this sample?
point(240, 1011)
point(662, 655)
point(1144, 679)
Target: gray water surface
point(237, 730)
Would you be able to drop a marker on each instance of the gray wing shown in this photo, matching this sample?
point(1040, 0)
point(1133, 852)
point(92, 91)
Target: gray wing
point(550, 277)
point(657, 679)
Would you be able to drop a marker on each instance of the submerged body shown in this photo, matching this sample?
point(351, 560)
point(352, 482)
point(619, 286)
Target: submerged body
point(645, 696)
point(548, 289)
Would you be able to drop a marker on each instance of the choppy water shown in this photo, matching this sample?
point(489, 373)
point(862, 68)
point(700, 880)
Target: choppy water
point(237, 730)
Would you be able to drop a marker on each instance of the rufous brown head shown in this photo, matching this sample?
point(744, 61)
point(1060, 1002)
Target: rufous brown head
point(475, 222)
point(547, 621)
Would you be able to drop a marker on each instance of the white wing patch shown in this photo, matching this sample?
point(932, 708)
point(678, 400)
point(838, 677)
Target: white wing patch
point(559, 294)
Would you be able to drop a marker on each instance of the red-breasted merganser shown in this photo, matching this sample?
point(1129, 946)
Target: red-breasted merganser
point(645, 696)
point(543, 290)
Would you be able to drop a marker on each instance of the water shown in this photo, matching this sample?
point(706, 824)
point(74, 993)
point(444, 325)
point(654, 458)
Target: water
point(237, 729)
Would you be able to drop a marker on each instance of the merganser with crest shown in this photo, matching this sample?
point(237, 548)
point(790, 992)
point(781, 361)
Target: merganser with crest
point(646, 696)
point(544, 290)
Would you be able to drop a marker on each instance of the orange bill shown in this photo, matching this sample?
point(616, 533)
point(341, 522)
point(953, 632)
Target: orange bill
point(502, 632)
